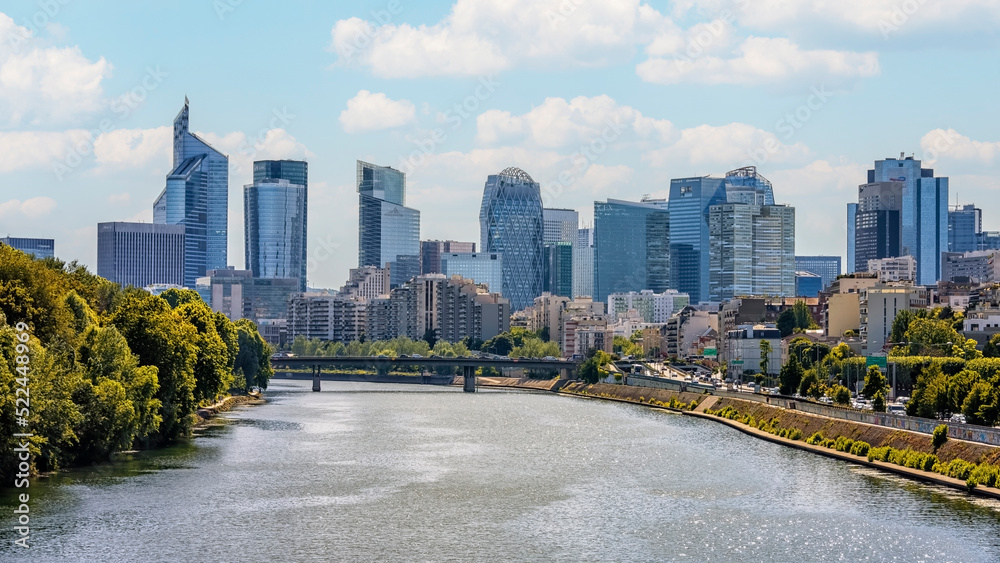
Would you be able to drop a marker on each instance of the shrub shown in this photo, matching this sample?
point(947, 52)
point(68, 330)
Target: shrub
point(816, 439)
point(986, 475)
point(960, 469)
point(940, 436)
point(795, 434)
point(879, 454)
point(860, 448)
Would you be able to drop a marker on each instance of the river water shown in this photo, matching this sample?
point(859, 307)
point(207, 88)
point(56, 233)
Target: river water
point(365, 472)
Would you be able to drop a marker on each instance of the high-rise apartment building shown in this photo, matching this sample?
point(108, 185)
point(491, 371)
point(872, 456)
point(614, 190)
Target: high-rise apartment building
point(632, 249)
point(141, 254)
point(274, 217)
point(388, 231)
point(196, 196)
point(511, 223)
point(652, 307)
point(39, 247)
point(923, 214)
point(752, 250)
point(826, 267)
point(898, 268)
point(432, 250)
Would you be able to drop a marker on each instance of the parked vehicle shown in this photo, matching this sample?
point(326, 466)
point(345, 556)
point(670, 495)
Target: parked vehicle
point(957, 418)
point(895, 408)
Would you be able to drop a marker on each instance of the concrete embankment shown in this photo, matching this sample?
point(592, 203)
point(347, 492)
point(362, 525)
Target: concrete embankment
point(693, 404)
point(206, 413)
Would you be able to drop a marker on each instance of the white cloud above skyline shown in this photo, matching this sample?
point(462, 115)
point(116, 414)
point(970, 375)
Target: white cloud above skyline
point(369, 111)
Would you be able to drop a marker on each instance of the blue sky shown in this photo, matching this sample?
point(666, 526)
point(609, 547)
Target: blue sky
point(593, 99)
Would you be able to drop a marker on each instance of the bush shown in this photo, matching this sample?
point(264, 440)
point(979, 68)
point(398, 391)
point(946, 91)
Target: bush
point(860, 448)
point(816, 439)
point(940, 436)
point(986, 475)
point(795, 434)
point(880, 454)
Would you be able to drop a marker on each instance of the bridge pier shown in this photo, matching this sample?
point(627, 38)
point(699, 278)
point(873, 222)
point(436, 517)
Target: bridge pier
point(469, 376)
point(316, 380)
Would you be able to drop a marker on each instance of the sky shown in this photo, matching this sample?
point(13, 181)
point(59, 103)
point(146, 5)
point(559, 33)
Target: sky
point(594, 99)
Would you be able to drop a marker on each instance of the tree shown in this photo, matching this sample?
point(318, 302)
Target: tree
point(980, 405)
point(959, 386)
point(213, 369)
point(500, 344)
point(786, 322)
point(930, 395)
point(543, 333)
point(991, 350)
point(430, 337)
point(592, 369)
point(803, 319)
point(765, 355)
point(931, 337)
point(790, 376)
point(966, 349)
point(177, 297)
point(875, 383)
point(809, 387)
point(840, 395)
point(900, 325)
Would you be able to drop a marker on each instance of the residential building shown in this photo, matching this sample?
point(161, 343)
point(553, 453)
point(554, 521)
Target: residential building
point(965, 225)
point(336, 318)
point(141, 254)
point(877, 223)
point(826, 267)
point(558, 269)
point(583, 264)
point(482, 268)
point(274, 219)
point(196, 196)
point(807, 284)
point(743, 350)
point(561, 225)
point(366, 283)
point(432, 250)
point(584, 333)
point(879, 306)
point(388, 231)
point(923, 213)
point(899, 268)
point(841, 303)
point(752, 250)
point(239, 295)
point(981, 266)
point(39, 247)
point(688, 332)
point(631, 246)
point(551, 312)
point(652, 307)
point(511, 223)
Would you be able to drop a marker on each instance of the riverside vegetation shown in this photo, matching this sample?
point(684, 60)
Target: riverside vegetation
point(111, 369)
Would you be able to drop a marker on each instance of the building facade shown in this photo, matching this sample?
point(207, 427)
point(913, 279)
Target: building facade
point(652, 307)
point(482, 268)
point(965, 225)
point(39, 247)
point(982, 266)
point(274, 218)
point(690, 200)
point(239, 295)
point(752, 250)
point(900, 268)
point(743, 350)
point(558, 269)
point(511, 223)
point(141, 254)
point(826, 267)
point(877, 226)
point(631, 247)
point(879, 306)
point(561, 225)
point(335, 318)
point(432, 250)
point(807, 284)
point(196, 196)
point(388, 231)
point(583, 264)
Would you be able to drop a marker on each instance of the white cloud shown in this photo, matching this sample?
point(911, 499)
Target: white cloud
point(31, 149)
point(480, 37)
point(41, 84)
point(763, 60)
point(135, 148)
point(950, 144)
point(243, 149)
point(714, 147)
point(33, 208)
point(117, 199)
point(372, 112)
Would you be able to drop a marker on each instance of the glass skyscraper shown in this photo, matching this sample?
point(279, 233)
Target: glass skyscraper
point(388, 231)
point(275, 216)
point(826, 267)
point(752, 251)
point(965, 224)
point(923, 215)
point(632, 249)
point(511, 223)
point(690, 200)
point(558, 275)
point(39, 247)
point(196, 196)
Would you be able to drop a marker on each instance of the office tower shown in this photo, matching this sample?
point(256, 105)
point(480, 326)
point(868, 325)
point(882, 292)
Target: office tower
point(923, 213)
point(511, 223)
point(484, 268)
point(39, 247)
point(238, 294)
point(878, 229)
point(388, 232)
point(989, 240)
point(690, 199)
point(296, 172)
point(141, 254)
point(965, 226)
point(274, 217)
point(852, 217)
point(561, 225)
point(977, 267)
point(752, 251)
point(745, 185)
point(196, 196)
point(558, 269)
point(583, 264)
point(808, 284)
point(432, 250)
point(826, 267)
point(632, 249)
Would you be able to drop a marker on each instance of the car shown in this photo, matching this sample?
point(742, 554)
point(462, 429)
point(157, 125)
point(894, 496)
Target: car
point(826, 400)
point(957, 418)
point(903, 400)
point(895, 408)
point(417, 356)
point(550, 358)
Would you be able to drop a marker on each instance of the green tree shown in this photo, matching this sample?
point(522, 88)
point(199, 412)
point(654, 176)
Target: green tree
point(991, 349)
point(980, 404)
point(931, 337)
point(213, 369)
point(840, 395)
point(253, 360)
point(786, 322)
point(875, 382)
point(430, 337)
point(930, 395)
point(959, 387)
point(178, 297)
point(765, 355)
point(803, 319)
point(965, 349)
point(810, 387)
point(790, 376)
point(501, 344)
point(900, 325)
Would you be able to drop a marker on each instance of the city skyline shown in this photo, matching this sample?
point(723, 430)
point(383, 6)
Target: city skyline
point(813, 126)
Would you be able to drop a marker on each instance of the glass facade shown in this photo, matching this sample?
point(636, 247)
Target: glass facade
point(752, 251)
point(965, 223)
point(482, 268)
point(141, 254)
point(924, 213)
point(275, 229)
point(583, 264)
point(561, 225)
point(690, 200)
point(196, 196)
point(632, 249)
point(511, 223)
point(388, 232)
point(39, 247)
point(558, 275)
point(826, 267)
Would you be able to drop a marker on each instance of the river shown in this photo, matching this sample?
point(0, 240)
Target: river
point(366, 472)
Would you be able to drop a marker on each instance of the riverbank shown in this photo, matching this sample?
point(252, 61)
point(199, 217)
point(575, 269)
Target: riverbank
point(205, 414)
point(693, 404)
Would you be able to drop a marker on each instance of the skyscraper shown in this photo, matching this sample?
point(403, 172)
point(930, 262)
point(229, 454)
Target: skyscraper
point(558, 275)
point(965, 225)
point(826, 267)
point(561, 225)
point(196, 196)
point(432, 251)
point(632, 249)
point(141, 254)
point(752, 250)
point(388, 231)
point(690, 199)
point(274, 216)
point(39, 247)
point(877, 229)
point(923, 214)
point(583, 264)
point(511, 223)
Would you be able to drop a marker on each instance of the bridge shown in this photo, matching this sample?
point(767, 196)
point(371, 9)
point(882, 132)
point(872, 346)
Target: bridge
point(467, 363)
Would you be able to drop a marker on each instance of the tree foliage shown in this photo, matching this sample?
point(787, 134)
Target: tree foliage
point(790, 376)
